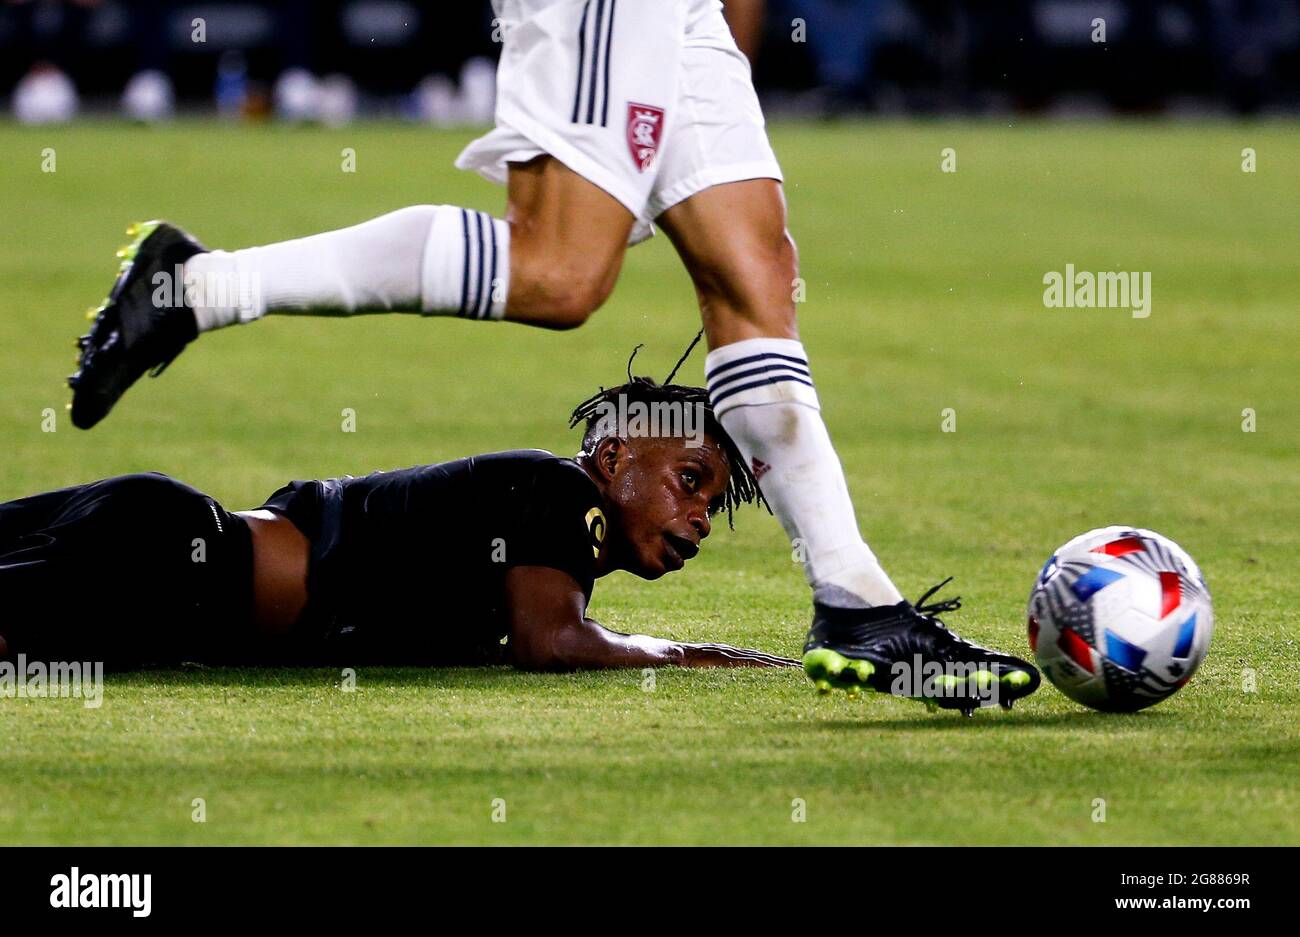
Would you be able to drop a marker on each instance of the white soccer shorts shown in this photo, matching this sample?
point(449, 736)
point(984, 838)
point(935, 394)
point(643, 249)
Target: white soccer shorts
point(648, 99)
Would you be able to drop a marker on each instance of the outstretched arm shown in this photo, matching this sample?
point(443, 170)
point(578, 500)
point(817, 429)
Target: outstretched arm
point(549, 632)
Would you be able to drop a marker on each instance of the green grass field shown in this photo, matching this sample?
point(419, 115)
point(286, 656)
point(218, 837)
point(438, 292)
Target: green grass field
point(924, 292)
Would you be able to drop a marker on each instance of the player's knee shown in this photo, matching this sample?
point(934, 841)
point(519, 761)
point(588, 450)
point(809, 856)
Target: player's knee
point(557, 280)
point(570, 300)
point(577, 304)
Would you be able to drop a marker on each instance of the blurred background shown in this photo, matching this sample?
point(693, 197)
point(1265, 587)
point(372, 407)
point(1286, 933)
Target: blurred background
point(336, 60)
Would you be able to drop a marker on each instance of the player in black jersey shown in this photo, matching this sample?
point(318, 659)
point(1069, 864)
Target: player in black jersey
point(486, 559)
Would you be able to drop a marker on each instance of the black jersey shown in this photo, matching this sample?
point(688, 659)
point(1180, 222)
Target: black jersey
point(409, 566)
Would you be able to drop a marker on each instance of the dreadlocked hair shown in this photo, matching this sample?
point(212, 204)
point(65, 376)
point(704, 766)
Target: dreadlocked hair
point(742, 488)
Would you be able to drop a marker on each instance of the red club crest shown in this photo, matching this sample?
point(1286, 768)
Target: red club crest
point(645, 130)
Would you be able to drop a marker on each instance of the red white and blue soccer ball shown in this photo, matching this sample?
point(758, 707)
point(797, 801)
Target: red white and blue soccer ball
point(1120, 618)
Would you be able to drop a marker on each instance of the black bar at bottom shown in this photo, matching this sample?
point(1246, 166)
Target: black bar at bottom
point(907, 887)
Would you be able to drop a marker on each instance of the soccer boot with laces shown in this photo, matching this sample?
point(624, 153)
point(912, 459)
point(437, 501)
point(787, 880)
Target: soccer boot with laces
point(905, 650)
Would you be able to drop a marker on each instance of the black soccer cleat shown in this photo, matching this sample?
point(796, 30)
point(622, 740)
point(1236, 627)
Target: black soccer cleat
point(906, 651)
point(142, 325)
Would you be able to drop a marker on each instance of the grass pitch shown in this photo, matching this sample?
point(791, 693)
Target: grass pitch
point(924, 292)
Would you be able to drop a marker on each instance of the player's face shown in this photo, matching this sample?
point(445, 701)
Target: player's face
point(663, 493)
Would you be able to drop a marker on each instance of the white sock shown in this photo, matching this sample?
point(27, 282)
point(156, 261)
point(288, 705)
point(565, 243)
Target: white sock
point(762, 392)
point(434, 259)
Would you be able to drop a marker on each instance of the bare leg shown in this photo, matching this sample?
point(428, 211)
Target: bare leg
point(733, 241)
point(551, 262)
point(567, 238)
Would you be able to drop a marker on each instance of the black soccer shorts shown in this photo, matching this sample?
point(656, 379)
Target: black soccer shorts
point(132, 570)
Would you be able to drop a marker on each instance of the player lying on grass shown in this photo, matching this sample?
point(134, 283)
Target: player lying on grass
point(611, 119)
point(434, 564)
point(437, 564)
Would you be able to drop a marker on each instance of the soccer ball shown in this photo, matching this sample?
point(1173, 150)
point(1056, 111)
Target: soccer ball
point(1120, 618)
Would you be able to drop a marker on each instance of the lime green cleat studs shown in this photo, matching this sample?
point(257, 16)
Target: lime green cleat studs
point(821, 661)
point(1016, 679)
point(139, 232)
point(829, 669)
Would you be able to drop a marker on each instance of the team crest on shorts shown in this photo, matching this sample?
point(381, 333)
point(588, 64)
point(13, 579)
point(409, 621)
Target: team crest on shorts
point(645, 129)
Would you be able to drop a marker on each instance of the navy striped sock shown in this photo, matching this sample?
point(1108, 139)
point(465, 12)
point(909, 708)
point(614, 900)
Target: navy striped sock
point(758, 371)
point(466, 265)
point(762, 392)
